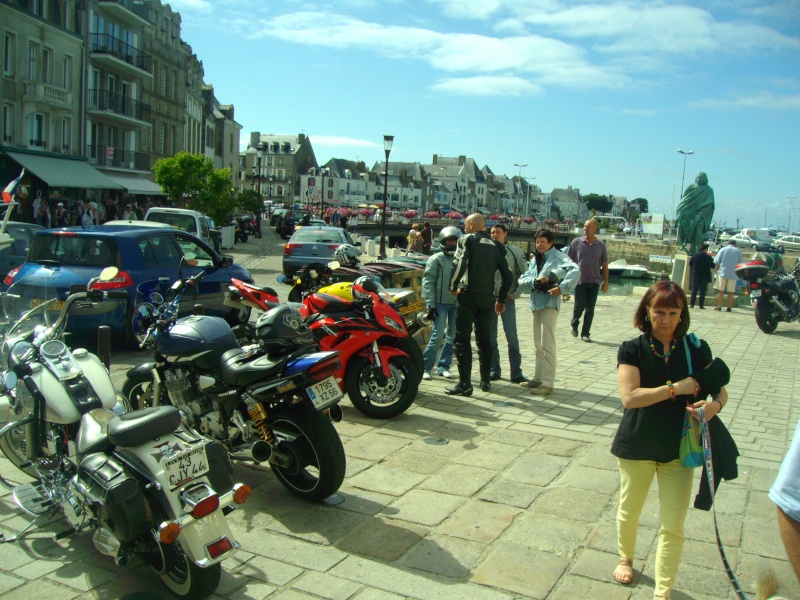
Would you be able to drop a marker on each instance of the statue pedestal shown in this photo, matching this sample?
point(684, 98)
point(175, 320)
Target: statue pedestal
point(680, 271)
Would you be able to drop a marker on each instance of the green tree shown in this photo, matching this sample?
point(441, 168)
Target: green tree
point(640, 205)
point(217, 199)
point(251, 200)
point(600, 203)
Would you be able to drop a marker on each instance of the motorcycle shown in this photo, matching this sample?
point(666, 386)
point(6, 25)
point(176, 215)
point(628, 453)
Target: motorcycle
point(142, 484)
point(274, 401)
point(776, 300)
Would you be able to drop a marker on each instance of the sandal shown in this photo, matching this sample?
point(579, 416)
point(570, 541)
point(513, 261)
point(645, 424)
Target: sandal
point(624, 572)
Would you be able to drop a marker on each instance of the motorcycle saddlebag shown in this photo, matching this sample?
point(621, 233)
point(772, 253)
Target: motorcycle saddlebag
point(123, 507)
point(752, 269)
point(220, 470)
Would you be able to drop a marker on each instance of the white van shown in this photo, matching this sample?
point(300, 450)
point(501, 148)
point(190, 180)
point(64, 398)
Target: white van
point(763, 233)
point(191, 221)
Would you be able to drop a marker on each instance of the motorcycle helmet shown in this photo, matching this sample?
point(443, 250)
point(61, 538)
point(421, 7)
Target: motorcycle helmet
point(282, 328)
point(448, 239)
point(358, 295)
point(347, 255)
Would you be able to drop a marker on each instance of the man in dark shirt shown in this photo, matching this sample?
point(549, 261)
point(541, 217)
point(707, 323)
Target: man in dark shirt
point(477, 260)
point(702, 265)
point(111, 210)
point(427, 238)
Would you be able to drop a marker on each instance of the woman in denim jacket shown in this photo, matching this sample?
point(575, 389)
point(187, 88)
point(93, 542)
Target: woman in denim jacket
point(551, 273)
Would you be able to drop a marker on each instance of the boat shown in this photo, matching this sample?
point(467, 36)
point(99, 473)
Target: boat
point(621, 268)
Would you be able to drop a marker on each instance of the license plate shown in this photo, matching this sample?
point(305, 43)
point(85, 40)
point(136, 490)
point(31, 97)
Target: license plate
point(56, 305)
point(755, 293)
point(324, 393)
point(414, 306)
point(186, 466)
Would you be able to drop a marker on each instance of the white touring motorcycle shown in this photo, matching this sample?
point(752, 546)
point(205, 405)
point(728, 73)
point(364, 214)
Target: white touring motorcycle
point(140, 482)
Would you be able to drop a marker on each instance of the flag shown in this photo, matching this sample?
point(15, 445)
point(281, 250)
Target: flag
point(11, 188)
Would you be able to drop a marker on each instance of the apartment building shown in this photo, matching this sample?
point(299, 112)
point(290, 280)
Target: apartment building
point(339, 181)
point(275, 164)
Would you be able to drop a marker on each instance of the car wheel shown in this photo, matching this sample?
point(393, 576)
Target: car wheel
point(755, 247)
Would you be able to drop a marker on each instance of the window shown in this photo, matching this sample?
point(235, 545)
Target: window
point(9, 54)
point(8, 123)
point(67, 72)
point(150, 137)
point(280, 161)
point(37, 7)
point(36, 132)
point(33, 50)
point(171, 140)
point(47, 65)
point(173, 85)
point(66, 133)
point(162, 85)
point(161, 138)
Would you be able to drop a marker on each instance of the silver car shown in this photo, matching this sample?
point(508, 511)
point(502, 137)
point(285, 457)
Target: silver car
point(745, 241)
point(312, 244)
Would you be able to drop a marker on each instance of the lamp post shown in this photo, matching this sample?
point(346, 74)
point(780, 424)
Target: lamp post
point(259, 156)
point(789, 222)
point(323, 171)
point(685, 153)
point(387, 148)
point(520, 180)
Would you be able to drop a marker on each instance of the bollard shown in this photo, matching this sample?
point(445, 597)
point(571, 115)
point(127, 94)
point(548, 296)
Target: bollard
point(198, 309)
point(104, 345)
point(370, 247)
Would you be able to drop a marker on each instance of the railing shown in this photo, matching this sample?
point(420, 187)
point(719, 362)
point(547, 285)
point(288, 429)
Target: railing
point(38, 143)
point(138, 8)
point(121, 105)
point(46, 92)
point(104, 43)
point(108, 156)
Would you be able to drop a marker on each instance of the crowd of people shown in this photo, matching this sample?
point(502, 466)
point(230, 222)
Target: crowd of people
point(60, 212)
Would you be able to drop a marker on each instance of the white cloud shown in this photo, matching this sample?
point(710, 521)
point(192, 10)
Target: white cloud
point(340, 141)
point(763, 101)
point(487, 86)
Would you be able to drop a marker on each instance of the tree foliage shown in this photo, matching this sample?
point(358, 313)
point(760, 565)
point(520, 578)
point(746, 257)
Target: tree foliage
point(598, 202)
point(640, 205)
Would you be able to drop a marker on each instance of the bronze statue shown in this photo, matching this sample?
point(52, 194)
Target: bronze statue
point(694, 214)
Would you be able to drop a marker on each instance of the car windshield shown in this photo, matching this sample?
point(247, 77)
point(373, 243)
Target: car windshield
point(72, 250)
point(176, 220)
point(317, 236)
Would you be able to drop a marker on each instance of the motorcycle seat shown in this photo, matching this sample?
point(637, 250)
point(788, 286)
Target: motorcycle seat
point(140, 426)
point(240, 369)
point(93, 435)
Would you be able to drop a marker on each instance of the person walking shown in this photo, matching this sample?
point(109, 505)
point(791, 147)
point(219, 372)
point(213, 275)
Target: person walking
point(518, 266)
point(550, 275)
point(413, 239)
point(440, 303)
point(427, 238)
point(343, 221)
point(476, 261)
point(657, 390)
point(725, 266)
point(701, 265)
point(591, 256)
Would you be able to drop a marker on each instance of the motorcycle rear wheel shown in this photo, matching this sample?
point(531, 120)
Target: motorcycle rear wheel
point(766, 317)
point(380, 400)
point(12, 444)
point(317, 459)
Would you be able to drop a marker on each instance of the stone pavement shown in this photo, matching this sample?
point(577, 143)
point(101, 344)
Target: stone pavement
point(498, 496)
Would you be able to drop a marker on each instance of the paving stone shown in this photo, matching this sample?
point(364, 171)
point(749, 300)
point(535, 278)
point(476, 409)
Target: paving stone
point(386, 480)
point(572, 587)
point(317, 523)
point(585, 478)
point(415, 461)
point(424, 507)
point(266, 569)
point(382, 538)
point(326, 586)
point(291, 550)
point(374, 446)
point(513, 493)
point(479, 521)
point(560, 537)
point(44, 588)
point(411, 584)
point(750, 566)
point(537, 469)
point(446, 556)
point(355, 465)
point(582, 505)
point(459, 480)
point(291, 595)
point(362, 501)
point(521, 570)
point(82, 575)
point(600, 566)
point(373, 594)
point(516, 437)
point(762, 538)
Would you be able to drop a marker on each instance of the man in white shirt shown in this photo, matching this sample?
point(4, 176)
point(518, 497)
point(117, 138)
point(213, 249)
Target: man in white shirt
point(725, 267)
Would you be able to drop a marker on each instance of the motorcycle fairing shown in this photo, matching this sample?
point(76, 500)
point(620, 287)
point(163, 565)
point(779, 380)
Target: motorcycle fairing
point(199, 339)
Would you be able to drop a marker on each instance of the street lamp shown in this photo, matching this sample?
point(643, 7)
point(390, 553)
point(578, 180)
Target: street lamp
point(789, 224)
point(520, 180)
point(684, 166)
point(323, 171)
point(387, 148)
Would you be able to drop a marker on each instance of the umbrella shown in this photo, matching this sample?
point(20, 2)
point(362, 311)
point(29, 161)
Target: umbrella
point(374, 206)
point(362, 206)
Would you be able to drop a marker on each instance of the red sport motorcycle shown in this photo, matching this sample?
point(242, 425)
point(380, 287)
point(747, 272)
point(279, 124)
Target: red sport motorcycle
point(381, 363)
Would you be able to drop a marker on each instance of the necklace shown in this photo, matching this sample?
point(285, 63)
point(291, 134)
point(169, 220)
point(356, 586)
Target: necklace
point(666, 354)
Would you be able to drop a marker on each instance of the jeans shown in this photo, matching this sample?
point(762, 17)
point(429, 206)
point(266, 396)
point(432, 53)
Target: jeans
point(585, 299)
point(445, 318)
point(509, 318)
point(702, 286)
point(473, 310)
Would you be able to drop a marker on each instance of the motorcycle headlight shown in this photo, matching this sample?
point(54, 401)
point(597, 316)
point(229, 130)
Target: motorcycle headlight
point(393, 324)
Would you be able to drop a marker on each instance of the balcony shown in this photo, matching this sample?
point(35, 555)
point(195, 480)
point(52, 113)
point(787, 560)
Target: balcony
point(127, 12)
point(117, 158)
point(118, 107)
point(47, 94)
point(116, 54)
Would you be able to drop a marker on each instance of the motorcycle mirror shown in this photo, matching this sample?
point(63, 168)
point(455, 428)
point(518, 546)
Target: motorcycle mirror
point(9, 379)
point(281, 278)
point(334, 264)
point(369, 286)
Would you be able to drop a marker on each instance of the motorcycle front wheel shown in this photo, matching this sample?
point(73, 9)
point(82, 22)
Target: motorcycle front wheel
point(766, 316)
point(316, 456)
point(378, 397)
point(12, 444)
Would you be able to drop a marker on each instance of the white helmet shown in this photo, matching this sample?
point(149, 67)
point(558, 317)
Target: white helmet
point(347, 255)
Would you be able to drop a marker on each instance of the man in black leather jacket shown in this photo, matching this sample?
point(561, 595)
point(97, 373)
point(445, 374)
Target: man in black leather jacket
point(477, 260)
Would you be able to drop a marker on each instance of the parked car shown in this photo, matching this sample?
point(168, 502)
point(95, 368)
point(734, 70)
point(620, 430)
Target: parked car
point(275, 216)
point(67, 257)
point(787, 242)
point(191, 221)
point(745, 241)
point(313, 244)
point(14, 254)
point(286, 224)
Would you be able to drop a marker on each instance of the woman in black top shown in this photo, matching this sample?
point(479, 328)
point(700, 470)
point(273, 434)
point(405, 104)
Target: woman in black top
point(656, 392)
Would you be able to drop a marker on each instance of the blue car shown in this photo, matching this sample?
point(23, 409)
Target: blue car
point(67, 258)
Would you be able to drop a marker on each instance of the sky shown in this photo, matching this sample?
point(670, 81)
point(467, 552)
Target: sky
point(595, 95)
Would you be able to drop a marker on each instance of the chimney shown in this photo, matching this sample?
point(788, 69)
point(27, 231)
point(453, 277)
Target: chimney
point(462, 160)
point(436, 159)
point(255, 138)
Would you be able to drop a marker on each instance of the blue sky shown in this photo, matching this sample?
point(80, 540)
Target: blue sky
point(596, 95)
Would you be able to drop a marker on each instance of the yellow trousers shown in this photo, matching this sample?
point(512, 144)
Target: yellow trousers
point(674, 491)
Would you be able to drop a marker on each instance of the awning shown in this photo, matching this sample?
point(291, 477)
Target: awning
point(65, 171)
point(136, 184)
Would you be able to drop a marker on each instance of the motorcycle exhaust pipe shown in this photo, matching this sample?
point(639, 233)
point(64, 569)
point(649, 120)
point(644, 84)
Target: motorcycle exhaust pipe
point(335, 413)
point(779, 305)
point(259, 451)
point(122, 560)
